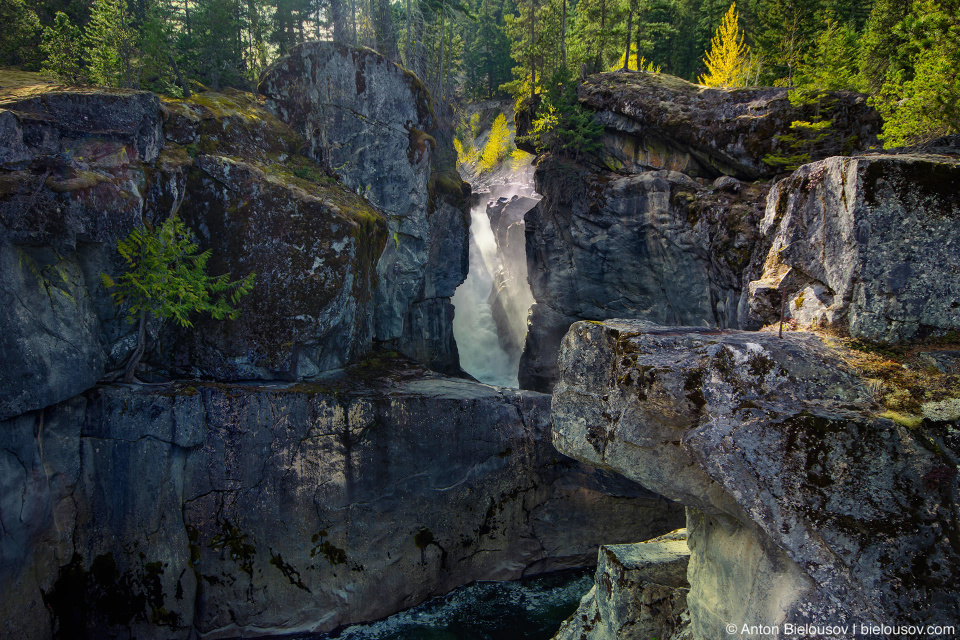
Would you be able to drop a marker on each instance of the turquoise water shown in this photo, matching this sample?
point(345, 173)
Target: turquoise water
point(528, 609)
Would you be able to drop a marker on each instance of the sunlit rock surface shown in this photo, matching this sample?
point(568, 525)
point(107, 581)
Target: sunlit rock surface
point(277, 508)
point(510, 299)
point(867, 245)
point(805, 506)
point(373, 124)
point(658, 121)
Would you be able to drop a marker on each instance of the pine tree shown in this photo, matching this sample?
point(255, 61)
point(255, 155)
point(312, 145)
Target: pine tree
point(109, 45)
point(922, 101)
point(728, 53)
point(787, 31)
point(167, 278)
point(62, 50)
point(20, 26)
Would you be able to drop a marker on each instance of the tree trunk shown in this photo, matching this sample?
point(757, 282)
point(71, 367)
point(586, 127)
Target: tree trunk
point(563, 35)
point(533, 54)
point(130, 371)
point(443, 39)
point(338, 18)
point(598, 66)
point(626, 57)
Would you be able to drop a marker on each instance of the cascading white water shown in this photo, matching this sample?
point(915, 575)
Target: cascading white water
point(481, 354)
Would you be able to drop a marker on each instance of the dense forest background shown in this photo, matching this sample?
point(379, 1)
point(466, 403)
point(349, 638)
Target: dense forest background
point(904, 53)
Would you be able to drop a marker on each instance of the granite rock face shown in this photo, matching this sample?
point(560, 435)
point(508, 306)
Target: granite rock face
point(374, 124)
point(654, 246)
point(72, 181)
point(231, 170)
point(805, 507)
point(658, 121)
point(868, 245)
point(281, 508)
point(640, 593)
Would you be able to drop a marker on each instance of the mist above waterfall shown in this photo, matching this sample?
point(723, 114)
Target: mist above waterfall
point(492, 304)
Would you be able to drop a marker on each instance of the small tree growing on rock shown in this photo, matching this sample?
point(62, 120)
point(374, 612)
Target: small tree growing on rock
point(167, 278)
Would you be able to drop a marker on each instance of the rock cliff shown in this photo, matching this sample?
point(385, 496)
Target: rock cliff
point(657, 246)
point(272, 508)
point(374, 124)
point(247, 501)
point(510, 299)
point(804, 505)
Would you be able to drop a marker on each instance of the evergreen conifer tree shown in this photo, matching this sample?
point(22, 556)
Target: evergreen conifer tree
point(726, 60)
point(108, 41)
point(167, 278)
point(61, 48)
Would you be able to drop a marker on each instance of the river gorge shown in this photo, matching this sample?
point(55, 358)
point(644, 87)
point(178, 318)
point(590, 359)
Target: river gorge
point(728, 394)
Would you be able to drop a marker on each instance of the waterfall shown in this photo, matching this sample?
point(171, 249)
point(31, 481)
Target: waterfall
point(491, 305)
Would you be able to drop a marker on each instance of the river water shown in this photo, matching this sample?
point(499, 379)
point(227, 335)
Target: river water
point(527, 609)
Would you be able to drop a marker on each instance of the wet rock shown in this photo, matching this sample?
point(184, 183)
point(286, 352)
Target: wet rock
point(640, 593)
point(658, 121)
point(373, 123)
point(805, 506)
point(868, 245)
point(653, 246)
point(510, 299)
point(283, 508)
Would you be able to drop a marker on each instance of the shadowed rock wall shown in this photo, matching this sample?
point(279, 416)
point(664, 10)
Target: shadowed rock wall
point(278, 508)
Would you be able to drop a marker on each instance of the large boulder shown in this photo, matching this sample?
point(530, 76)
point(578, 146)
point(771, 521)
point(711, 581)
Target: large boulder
point(805, 506)
point(658, 121)
point(278, 508)
point(655, 246)
point(374, 124)
point(867, 245)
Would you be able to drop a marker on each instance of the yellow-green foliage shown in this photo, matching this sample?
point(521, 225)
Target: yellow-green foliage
point(497, 146)
point(475, 125)
point(167, 277)
point(726, 60)
point(466, 152)
point(907, 420)
point(519, 157)
point(641, 65)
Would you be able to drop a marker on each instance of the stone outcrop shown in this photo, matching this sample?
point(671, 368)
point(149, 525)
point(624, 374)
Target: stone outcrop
point(805, 506)
point(72, 181)
point(640, 593)
point(374, 124)
point(658, 121)
point(656, 246)
point(229, 510)
point(867, 245)
point(231, 170)
point(313, 244)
